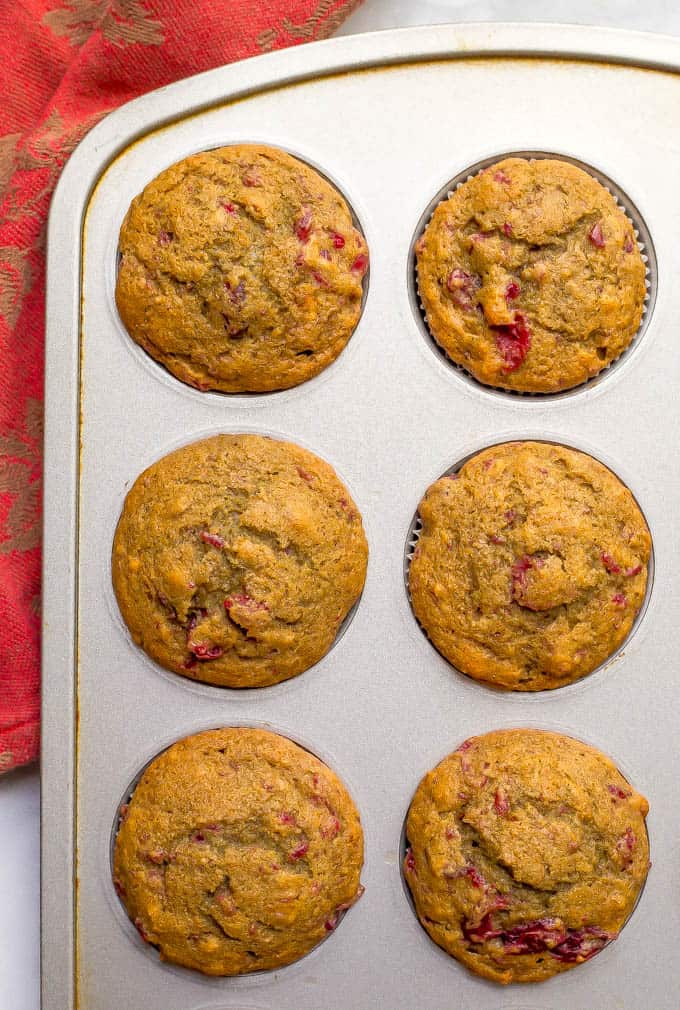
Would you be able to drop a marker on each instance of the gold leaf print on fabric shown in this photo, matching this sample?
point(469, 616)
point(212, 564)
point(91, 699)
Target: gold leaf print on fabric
point(266, 40)
point(16, 277)
point(20, 453)
point(6, 761)
point(323, 21)
point(8, 145)
point(121, 22)
point(46, 152)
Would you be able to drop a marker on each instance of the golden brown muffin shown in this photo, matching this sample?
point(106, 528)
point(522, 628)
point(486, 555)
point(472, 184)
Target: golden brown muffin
point(240, 270)
point(237, 558)
point(530, 276)
point(531, 565)
point(528, 851)
point(238, 852)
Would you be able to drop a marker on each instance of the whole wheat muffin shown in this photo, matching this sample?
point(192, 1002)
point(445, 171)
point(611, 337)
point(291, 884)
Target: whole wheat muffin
point(239, 851)
point(240, 270)
point(527, 853)
point(530, 276)
point(237, 558)
point(531, 565)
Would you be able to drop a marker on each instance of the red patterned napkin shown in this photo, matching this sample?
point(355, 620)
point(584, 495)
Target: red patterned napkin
point(65, 64)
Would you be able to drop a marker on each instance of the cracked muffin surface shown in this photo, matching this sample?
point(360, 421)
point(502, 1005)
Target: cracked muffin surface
point(241, 270)
point(531, 565)
point(238, 851)
point(527, 851)
point(530, 276)
point(236, 559)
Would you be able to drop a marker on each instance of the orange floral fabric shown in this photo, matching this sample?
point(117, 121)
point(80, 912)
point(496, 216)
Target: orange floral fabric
point(64, 65)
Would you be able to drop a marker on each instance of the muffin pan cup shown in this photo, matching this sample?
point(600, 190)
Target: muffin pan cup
point(391, 119)
point(623, 202)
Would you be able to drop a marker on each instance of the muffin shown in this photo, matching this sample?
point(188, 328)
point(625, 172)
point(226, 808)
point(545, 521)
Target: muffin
point(527, 853)
point(530, 276)
point(236, 559)
point(239, 851)
point(241, 270)
point(531, 565)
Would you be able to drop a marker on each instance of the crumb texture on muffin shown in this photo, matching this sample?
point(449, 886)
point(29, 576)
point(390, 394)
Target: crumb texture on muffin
point(239, 851)
point(241, 270)
point(527, 853)
point(531, 565)
point(530, 276)
point(236, 559)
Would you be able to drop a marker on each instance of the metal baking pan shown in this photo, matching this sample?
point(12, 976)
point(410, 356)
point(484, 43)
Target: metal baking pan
point(391, 119)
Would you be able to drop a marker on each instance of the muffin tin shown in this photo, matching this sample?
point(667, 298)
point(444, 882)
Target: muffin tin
point(390, 119)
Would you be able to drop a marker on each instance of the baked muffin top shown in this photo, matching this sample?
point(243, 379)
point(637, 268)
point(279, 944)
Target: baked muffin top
point(527, 853)
point(239, 851)
point(531, 565)
point(241, 270)
point(530, 276)
point(236, 559)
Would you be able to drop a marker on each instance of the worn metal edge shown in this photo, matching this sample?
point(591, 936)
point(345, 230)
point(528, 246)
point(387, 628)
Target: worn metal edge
point(62, 365)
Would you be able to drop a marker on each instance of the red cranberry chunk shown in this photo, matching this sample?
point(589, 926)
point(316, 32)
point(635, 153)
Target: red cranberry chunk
point(533, 937)
point(501, 176)
point(410, 861)
point(303, 226)
point(507, 228)
point(635, 570)
point(619, 600)
point(245, 601)
point(512, 291)
point(473, 875)
point(609, 563)
point(251, 177)
point(165, 237)
point(360, 264)
point(482, 931)
point(619, 793)
point(237, 295)
point(330, 829)
point(462, 287)
point(596, 235)
point(513, 341)
point(501, 803)
point(581, 944)
point(628, 245)
point(338, 241)
point(627, 841)
point(205, 650)
point(298, 852)
point(518, 574)
point(212, 539)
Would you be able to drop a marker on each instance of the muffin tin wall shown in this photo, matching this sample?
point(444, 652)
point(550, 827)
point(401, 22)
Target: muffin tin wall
point(390, 416)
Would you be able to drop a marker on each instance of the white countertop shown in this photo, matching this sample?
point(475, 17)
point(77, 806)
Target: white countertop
point(19, 791)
